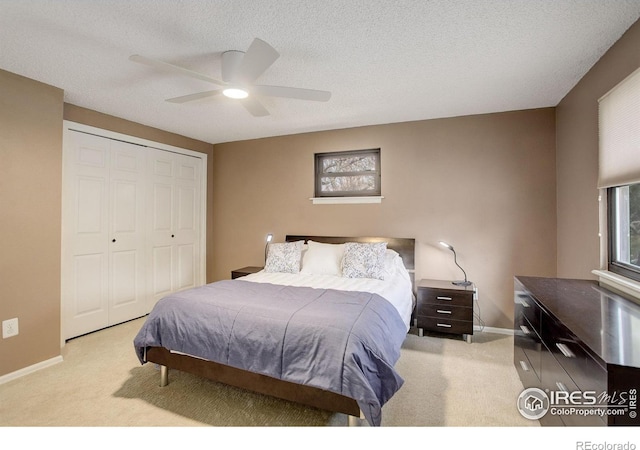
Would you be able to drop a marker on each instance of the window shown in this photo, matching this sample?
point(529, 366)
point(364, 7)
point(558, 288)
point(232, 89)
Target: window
point(624, 230)
point(619, 174)
point(348, 174)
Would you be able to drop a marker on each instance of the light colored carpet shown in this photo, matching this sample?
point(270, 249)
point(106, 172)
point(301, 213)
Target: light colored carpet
point(448, 383)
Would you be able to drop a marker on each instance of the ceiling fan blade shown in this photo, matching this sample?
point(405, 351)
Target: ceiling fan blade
point(254, 107)
point(176, 69)
point(291, 92)
point(256, 60)
point(191, 97)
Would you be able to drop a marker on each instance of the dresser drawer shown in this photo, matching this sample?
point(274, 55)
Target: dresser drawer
point(527, 306)
point(530, 344)
point(524, 367)
point(555, 378)
point(445, 311)
point(583, 369)
point(444, 297)
point(445, 325)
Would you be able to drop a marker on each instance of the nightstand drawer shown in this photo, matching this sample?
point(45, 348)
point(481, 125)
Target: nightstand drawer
point(445, 325)
point(445, 311)
point(442, 297)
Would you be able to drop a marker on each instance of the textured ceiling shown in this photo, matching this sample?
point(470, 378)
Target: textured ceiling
point(384, 61)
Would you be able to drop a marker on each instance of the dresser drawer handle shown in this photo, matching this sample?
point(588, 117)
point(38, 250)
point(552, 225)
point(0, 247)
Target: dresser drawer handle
point(565, 350)
point(444, 298)
point(443, 325)
point(442, 311)
point(561, 386)
point(524, 366)
point(525, 329)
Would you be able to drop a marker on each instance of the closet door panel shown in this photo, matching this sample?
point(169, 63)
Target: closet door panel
point(161, 214)
point(84, 286)
point(187, 221)
point(186, 270)
point(175, 222)
point(127, 277)
point(161, 270)
point(90, 204)
point(89, 299)
point(123, 282)
point(187, 209)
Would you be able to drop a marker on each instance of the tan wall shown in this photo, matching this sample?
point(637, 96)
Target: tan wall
point(577, 157)
point(30, 202)
point(485, 183)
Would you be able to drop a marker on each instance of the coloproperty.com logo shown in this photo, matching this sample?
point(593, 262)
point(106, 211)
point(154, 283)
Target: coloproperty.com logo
point(534, 403)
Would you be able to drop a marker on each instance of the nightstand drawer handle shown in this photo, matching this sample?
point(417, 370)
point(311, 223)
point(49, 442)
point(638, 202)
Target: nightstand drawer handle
point(565, 350)
point(444, 298)
point(525, 329)
point(524, 366)
point(443, 325)
point(442, 311)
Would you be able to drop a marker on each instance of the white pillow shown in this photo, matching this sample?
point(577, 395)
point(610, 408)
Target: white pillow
point(284, 257)
point(322, 259)
point(364, 260)
point(390, 262)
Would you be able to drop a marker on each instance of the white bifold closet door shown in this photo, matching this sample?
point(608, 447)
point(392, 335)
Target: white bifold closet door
point(174, 214)
point(131, 229)
point(103, 250)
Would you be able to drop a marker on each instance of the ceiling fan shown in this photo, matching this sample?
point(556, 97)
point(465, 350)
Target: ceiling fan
point(239, 72)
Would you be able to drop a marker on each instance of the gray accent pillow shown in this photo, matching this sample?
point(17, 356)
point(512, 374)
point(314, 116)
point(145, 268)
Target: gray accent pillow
point(284, 257)
point(364, 260)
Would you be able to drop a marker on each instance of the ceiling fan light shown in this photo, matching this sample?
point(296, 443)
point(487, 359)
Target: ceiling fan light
point(235, 93)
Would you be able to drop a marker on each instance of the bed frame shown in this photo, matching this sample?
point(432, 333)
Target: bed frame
point(306, 395)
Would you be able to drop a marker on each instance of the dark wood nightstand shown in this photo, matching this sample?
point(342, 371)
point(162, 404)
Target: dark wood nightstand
point(245, 271)
point(444, 307)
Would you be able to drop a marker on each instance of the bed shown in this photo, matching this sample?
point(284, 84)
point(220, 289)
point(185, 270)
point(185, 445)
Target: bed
point(308, 334)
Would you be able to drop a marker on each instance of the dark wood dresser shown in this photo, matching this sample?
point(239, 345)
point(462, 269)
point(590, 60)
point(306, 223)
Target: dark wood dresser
point(577, 341)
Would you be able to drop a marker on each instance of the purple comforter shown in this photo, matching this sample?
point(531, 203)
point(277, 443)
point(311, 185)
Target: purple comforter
point(344, 342)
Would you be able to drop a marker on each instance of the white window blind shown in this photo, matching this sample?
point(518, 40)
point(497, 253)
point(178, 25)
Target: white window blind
point(619, 127)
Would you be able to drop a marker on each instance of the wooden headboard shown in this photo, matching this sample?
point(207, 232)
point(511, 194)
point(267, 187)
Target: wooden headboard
point(404, 246)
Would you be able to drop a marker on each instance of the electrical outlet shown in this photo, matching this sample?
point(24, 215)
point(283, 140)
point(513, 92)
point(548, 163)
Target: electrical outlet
point(9, 328)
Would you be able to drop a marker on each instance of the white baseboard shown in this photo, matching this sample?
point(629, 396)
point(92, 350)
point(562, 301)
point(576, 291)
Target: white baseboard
point(493, 330)
point(27, 370)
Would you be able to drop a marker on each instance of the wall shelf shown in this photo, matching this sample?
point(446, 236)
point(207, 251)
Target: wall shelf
point(345, 200)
